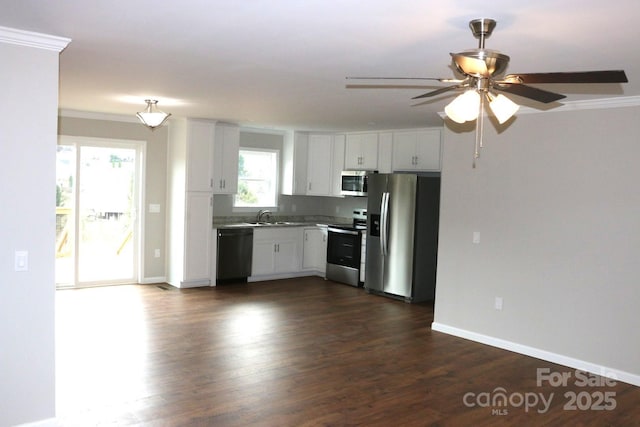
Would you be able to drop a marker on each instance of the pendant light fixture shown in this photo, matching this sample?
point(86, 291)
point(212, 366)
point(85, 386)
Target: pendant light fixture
point(151, 116)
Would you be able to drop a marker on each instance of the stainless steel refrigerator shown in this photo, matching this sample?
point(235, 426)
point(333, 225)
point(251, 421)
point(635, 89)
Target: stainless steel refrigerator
point(402, 235)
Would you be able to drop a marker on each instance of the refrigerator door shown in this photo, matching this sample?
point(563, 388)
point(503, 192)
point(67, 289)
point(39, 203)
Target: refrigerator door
point(377, 186)
point(398, 263)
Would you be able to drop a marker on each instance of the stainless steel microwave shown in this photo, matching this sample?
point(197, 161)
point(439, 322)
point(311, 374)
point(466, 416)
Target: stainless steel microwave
point(354, 183)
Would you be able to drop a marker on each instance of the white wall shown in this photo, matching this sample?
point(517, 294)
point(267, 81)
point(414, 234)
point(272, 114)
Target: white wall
point(556, 200)
point(28, 121)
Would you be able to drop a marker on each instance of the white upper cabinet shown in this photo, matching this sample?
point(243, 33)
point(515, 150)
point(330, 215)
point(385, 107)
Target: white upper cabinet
point(417, 150)
point(294, 163)
point(225, 159)
point(319, 165)
point(385, 152)
point(199, 152)
point(312, 164)
point(337, 166)
point(361, 151)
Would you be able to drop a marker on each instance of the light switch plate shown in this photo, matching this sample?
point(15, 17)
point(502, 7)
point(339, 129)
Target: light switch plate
point(154, 208)
point(21, 261)
point(476, 237)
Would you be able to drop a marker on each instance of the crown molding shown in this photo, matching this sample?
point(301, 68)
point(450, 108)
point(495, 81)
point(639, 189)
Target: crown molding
point(586, 104)
point(91, 115)
point(31, 39)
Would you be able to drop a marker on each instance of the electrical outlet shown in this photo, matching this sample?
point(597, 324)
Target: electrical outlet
point(498, 303)
point(156, 253)
point(476, 237)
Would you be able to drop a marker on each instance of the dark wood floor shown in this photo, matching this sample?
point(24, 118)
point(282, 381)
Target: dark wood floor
point(303, 352)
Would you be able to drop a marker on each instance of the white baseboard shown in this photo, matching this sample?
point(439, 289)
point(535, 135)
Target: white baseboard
point(283, 276)
point(560, 359)
point(153, 280)
point(49, 422)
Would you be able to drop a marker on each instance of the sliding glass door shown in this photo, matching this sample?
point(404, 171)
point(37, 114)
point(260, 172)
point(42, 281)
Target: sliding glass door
point(97, 204)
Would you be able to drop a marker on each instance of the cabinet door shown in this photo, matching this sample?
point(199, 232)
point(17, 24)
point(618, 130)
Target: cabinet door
point(288, 250)
point(337, 165)
point(315, 249)
point(312, 249)
point(361, 152)
point(197, 253)
point(404, 151)
point(369, 151)
point(287, 259)
point(385, 152)
point(428, 150)
point(416, 150)
point(199, 155)
point(276, 250)
point(225, 159)
point(319, 165)
point(352, 152)
point(263, 257)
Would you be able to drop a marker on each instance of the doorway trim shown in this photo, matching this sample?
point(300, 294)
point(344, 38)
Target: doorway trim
point(141, 162)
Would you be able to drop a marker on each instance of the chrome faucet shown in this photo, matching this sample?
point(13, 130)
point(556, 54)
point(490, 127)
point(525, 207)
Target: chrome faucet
point(263, 213)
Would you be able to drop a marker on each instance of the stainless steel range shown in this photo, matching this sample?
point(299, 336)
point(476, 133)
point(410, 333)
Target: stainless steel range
point(345, 250)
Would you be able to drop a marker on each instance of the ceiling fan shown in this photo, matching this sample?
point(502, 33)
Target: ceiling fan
point(482, 75)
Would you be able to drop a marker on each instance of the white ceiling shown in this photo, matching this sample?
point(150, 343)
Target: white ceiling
point(282, 63)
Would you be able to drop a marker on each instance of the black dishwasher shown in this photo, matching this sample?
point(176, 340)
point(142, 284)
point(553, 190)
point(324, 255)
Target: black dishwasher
point(235, 247)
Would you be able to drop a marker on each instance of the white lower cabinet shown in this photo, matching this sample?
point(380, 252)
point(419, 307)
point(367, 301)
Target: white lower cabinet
point(314, 251)
point(189, 249)
point(276, 251)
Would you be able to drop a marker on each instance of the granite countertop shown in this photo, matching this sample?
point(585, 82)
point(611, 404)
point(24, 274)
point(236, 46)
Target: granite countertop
point(278, 221)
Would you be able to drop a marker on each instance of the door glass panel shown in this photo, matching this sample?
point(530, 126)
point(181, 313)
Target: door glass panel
point(106, 214)
point(65, 214)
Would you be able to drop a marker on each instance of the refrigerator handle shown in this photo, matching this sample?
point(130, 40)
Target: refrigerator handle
point(384, 224)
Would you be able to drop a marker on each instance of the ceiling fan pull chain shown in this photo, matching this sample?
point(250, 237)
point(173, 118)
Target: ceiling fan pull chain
point(479, 132)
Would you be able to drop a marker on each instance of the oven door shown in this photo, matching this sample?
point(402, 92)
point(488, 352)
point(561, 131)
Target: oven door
point(343, 247)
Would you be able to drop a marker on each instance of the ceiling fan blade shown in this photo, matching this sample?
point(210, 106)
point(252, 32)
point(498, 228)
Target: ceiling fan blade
point(607, 76)
point(442, 80)
point(530, 92)
point(437, 91)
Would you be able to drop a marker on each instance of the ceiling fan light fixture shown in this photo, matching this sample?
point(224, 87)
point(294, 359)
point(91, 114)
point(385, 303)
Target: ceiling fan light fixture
point(465, 107)
point(152, 117)
point(502, 107)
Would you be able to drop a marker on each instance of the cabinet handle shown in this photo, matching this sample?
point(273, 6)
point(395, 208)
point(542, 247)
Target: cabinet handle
point(224, 183)
point(220, 185)
point(211, 183)
point(309, 186)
